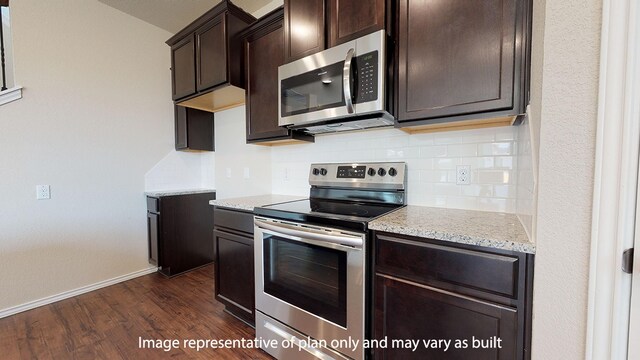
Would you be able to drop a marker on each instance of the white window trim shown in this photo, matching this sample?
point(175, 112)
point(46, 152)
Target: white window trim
point(9, 95)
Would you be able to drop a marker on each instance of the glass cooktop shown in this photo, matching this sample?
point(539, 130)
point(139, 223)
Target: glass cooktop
point(338, 213)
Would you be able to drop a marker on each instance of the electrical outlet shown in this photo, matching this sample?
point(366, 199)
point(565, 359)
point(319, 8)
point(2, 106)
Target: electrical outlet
point(228, 171)
point(43, 192)
point(286, 174)
point(247, 173)
point(463, 175)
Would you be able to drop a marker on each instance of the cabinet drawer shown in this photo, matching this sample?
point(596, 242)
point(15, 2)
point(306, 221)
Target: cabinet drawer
point(235, 220)
point(462, 270)
point(153, 204)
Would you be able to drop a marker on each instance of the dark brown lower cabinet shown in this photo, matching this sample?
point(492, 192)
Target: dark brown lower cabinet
point(476, 299)
point(233, 242)
point(179, 232)
point(418, 312)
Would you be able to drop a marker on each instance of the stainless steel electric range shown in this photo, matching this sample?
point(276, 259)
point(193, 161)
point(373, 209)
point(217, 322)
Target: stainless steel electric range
point(310, 260)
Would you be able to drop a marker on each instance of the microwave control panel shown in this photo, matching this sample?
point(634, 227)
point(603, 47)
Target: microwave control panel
point(367, 77)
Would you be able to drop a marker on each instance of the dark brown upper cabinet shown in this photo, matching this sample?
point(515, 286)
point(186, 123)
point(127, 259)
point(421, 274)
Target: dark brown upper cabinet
point(194, 129)
point(461, 62)
point(303, 28)
point(207, 59)
point(351, 19)
point(183, 68)
point(264, 52)
point(314, 25)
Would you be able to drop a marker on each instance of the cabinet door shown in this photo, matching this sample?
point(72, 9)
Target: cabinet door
point(211, 53)
point(264, 52)
point(455, 57)
point(234, 274)
point(405, 310)
point(152, 233)
point(181, 127)
point(303, 28)
point(351, 19)
point(200, 130)
point(183, 68)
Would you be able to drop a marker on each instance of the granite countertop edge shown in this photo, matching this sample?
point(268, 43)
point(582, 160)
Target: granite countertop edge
point(521, 242)
point(160, 193)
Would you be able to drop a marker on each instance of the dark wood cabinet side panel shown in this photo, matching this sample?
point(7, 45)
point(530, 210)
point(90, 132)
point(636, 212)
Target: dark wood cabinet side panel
point(455, 57)
point(409, 311)
point(180, 127)
point(211, 53)
point(351, 19)
point(265, 52)
point(304, 22)
point(183, 68)
point(152, 233)
point(185, 236)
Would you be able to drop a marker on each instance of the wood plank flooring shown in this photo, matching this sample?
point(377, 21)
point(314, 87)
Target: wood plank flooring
point(107, 323)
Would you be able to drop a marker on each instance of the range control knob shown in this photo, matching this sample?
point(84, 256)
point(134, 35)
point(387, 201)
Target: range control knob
point(371, 172)
point(393, 172)
point(323, 171)
point(315, 171)
point(382, 172)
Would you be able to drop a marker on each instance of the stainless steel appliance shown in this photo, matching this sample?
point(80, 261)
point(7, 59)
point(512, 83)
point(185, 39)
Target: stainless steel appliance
point(338, 89)
point(310, 260)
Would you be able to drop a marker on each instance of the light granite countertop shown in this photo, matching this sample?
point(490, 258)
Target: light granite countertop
point(160, 193)
point(481, 228)
point(247, 203)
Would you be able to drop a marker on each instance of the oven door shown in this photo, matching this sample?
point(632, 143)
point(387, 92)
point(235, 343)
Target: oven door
point(312, 280)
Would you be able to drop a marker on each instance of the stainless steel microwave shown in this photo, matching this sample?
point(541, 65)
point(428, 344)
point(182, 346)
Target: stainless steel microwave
point(338, 89)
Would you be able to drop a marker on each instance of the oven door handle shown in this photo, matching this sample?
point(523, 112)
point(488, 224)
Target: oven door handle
point(354, 241)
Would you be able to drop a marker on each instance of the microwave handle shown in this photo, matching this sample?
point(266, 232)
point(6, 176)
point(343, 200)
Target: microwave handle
point(346, 80)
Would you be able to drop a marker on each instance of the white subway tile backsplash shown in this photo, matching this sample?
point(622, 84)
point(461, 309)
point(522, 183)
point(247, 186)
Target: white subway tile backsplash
point(447, 138)
point(431, 161)
point(446, 163)
point(504, 191)
point(435, 176)
point(477, 190)
point(497, 148)
point(461, 150)
point(494, 177)
point(433, 151)
point(504, 162)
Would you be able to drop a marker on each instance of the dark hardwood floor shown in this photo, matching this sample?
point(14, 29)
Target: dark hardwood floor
point(107, 323)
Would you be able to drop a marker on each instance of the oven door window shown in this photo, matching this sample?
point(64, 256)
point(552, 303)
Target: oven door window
point(312, 91)
point(311, 277)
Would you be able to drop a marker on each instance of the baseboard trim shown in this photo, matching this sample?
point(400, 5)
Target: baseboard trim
point(75, 292)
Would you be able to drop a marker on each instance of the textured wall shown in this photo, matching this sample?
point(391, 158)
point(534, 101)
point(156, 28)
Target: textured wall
point(95, 117)
point(567, 123)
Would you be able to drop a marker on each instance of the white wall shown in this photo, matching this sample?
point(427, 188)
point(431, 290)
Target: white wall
point(95, 117)
point(182, 170)
point(240, 169)
point(567, 121)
